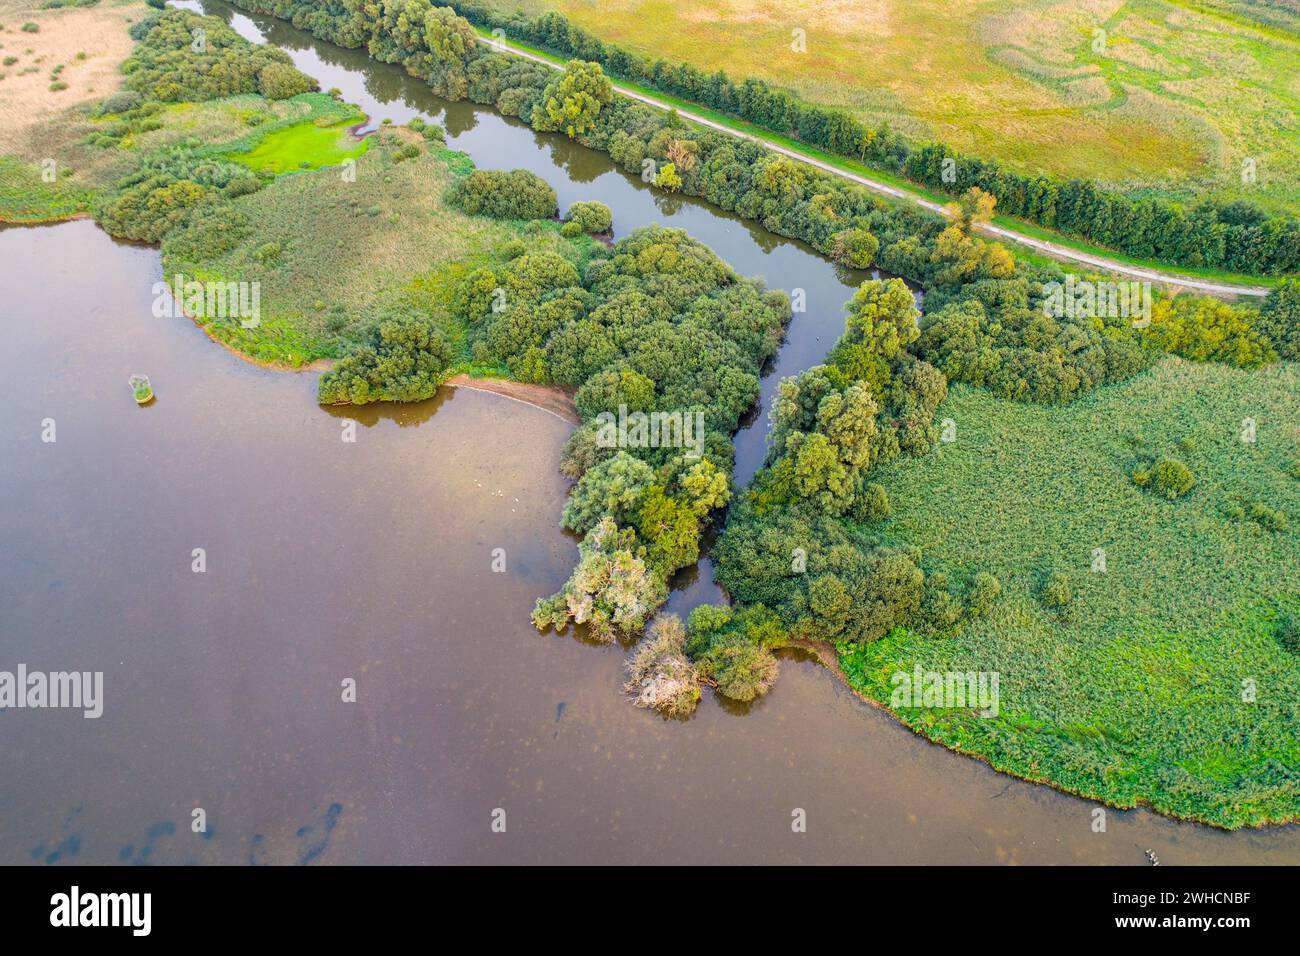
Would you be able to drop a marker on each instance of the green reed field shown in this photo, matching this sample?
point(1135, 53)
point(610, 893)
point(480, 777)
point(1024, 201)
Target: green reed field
point(1170, 678)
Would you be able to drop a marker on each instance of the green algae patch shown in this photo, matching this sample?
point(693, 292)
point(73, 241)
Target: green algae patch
point(302, 146)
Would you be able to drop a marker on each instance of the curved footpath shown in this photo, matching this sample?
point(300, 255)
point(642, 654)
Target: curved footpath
point(1047, 248)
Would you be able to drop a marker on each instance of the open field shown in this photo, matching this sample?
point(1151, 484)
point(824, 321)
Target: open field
point(89, 43)
point(1176, 101)
point(88, 171)
point(42, 168)
point(1133, 693)
point(330, 252)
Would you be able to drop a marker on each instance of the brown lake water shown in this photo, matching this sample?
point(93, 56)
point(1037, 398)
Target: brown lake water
point(371, 560)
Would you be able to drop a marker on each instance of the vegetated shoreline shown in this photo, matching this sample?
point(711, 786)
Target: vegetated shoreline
point(54, 220)
point(554, 400)
point(828, 657)
point(827, 654)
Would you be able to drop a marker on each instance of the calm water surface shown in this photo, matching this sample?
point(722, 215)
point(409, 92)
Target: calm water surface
point(372, 560)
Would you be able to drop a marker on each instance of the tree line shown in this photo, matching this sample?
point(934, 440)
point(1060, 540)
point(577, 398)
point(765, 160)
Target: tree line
point(1238, 236)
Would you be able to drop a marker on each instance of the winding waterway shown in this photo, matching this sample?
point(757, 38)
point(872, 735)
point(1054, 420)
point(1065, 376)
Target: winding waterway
point(371, 560)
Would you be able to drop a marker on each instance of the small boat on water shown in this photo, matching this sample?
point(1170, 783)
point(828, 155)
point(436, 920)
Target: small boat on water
point(141, 389)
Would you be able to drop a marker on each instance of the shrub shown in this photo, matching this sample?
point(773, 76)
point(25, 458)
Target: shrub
point(268, 254)
point(871, 504)
point(279, 81)
point(855, 247)
point(941, 610)
point(742, 670)
point(591, 217)
point(1279, 319)
point(1056, 592)
point(606, 391)
point(30, 27)
point(517, 194)
point(573, 99)
point(1171, 479)
point(733, 649)
point(612, 489)
point(120, 102)
point(985, 590)
point(667, 178)
point(58, 85)
point(1287, 632)
point(1268, 518)
point(660, 676)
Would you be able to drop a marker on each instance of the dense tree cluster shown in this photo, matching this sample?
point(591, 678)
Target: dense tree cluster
point(517, 194)
point(998, 340)
point(402, 358)
point(802, 554)
point(171, 188)
point(1207, 330)
point(612, 590)
point(1050, 361)
point(657, 329)
point(185, 57)
point(431, 43)
point(823, 578)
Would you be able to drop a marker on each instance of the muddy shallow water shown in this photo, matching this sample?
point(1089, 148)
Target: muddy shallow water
point(371, 560)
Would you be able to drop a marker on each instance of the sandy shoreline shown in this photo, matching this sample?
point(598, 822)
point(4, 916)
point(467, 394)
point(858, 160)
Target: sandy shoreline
point(552, 399)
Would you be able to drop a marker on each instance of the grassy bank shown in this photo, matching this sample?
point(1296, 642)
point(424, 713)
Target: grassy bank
point(1133, 692)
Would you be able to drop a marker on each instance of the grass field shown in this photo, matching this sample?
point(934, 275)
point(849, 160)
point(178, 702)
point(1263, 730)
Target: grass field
point(1134, 693)
point(1178, 98)
point(330, 252)
point(81, 48)
point(26, 197)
